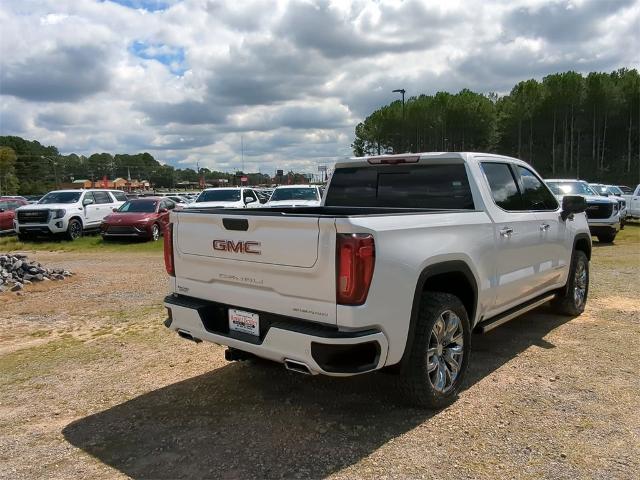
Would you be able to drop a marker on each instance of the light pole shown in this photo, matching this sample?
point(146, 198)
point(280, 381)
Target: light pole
point(402, 91)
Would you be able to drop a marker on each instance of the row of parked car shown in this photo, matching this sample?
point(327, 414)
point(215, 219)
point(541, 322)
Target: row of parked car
point(609, 207)
point(114, 214)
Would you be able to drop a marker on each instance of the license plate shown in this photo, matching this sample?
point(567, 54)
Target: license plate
point(245, 322)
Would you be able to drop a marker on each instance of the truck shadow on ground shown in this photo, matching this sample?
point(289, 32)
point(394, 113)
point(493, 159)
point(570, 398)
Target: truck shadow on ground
point(240, 421)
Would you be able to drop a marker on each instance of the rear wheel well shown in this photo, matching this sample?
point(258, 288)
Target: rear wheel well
point(455, 283)
point(453, 277)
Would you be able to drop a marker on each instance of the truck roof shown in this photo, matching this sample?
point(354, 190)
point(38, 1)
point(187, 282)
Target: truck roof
point(422, 157)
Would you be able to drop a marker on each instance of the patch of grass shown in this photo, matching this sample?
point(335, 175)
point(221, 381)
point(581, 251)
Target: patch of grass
point(40, 360)
point(93, 243)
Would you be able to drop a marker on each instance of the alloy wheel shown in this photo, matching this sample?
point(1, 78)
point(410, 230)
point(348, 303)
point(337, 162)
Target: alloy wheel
point(445, 352)
point(75, 230)
point(580, 284)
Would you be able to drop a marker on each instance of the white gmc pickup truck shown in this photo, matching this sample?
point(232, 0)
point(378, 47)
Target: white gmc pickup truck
point(406, 256)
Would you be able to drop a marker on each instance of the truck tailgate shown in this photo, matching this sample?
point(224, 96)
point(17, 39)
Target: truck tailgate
point(277, 264)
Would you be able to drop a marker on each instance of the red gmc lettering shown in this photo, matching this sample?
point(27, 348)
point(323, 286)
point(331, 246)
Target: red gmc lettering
point(237, 247)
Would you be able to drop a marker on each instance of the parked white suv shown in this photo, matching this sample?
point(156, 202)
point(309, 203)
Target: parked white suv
point(295, 196)
point(633, 203)
point(228, 197)
point(404, 258)
point(603, 213)
point(67, 212)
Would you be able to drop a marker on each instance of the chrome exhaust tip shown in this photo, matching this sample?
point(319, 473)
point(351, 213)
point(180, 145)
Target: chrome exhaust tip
point(296, 366)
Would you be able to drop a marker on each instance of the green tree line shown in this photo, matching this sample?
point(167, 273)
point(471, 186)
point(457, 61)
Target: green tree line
point(28, 167)
point(567, 125)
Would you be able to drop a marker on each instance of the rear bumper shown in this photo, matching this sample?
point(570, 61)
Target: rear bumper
point(322, 348)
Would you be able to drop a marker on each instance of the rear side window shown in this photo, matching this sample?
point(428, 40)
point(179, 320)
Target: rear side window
point(535, 195)
point(406, 186)
point(102, 197)
point(120, 196)
point(503, 186)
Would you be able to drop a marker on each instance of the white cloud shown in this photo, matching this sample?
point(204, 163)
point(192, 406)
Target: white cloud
point(185, 80)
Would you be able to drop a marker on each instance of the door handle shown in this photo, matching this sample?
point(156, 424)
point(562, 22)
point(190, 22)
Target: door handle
point(544, 227)
point(506, 231)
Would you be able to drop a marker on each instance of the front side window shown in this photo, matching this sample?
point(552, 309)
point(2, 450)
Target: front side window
point(535, 195)
point(503, 186)
point(61, 197)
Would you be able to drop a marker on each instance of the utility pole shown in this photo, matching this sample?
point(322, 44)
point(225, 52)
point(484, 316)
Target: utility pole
point(242, 151)
point(402, 91)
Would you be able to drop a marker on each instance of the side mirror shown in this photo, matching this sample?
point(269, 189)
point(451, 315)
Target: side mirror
point(163, 210)
point(87, 201)
point(249, 200)
point(572, 204)
point(1, 210)
point(114, 209)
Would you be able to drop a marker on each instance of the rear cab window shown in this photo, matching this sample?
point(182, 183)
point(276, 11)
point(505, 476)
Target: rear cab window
point(442, 186)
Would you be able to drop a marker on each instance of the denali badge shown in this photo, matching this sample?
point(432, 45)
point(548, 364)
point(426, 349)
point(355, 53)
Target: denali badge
point(237, 247)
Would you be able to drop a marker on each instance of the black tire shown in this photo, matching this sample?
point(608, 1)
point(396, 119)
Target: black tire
point(74, 229)
point(607, 237)
point(568, 300)
point(416, 380)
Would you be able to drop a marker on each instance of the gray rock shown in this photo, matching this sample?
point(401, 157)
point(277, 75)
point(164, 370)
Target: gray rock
point(16, 287)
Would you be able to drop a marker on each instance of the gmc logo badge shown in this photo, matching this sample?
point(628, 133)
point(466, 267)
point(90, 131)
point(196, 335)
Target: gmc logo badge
point(237, 247)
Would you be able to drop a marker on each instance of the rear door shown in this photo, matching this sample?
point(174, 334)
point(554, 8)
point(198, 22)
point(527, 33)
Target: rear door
point(272, 262)
point(104, 206)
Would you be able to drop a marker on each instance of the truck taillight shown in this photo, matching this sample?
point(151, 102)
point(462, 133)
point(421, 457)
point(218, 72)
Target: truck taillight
point(168, 250)
point(355, 258)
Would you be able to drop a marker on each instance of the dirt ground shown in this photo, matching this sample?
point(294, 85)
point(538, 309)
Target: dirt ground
point(92, 385)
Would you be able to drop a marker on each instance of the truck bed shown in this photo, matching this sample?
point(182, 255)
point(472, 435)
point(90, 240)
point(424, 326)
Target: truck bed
point(322, 211)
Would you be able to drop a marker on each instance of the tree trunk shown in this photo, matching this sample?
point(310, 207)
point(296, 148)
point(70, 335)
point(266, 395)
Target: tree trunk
point(593, 137)
point(578, 158)
point(553, 145)
point(531, 140)
point(571, 141)
point(604, 138)
point(629, 143)
point(564, 144)
point(520, 137)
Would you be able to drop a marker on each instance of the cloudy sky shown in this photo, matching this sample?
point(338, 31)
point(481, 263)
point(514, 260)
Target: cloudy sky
point(186, 80)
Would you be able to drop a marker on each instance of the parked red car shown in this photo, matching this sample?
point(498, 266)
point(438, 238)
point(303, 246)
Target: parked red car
point(8, 207)
point(138, 218)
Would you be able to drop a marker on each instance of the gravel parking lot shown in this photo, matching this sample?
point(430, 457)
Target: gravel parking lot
point(94, 386)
